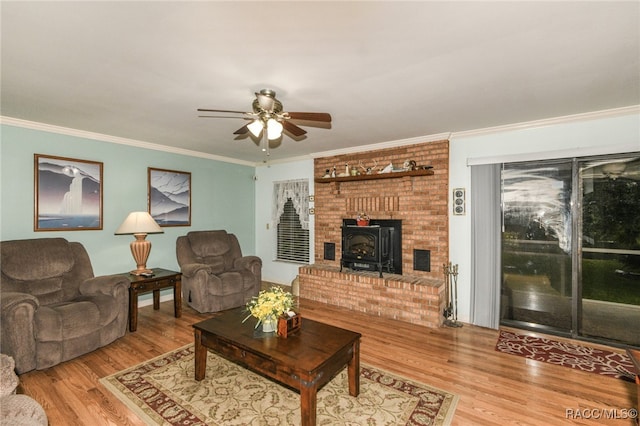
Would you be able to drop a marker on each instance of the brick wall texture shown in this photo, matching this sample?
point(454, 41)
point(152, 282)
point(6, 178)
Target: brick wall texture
point(421, 202)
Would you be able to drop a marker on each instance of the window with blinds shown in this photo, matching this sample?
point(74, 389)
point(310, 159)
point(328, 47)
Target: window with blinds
point(293, 241)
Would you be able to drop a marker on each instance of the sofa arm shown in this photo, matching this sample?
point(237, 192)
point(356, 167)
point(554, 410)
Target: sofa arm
point(17, 329)
point(110, 285)
point(252, 263)
point(190, 270)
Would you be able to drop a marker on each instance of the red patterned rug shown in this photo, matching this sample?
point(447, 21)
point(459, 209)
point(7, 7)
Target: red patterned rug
point(567, 354)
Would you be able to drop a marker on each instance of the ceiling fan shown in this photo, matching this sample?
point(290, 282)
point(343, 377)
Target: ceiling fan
point(269, 118)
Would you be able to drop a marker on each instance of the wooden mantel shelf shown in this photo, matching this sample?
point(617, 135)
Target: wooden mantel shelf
point(392, 175)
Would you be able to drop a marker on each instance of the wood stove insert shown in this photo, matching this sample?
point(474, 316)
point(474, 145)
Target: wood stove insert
point(376, 247)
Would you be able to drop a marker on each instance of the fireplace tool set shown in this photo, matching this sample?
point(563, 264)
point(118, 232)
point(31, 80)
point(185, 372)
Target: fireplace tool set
point(451, 295)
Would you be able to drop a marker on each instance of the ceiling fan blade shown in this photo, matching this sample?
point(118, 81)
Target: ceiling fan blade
point(221, 110)
point(223, 116)
point(293, 129)
point(242, 130)
point(310, 116)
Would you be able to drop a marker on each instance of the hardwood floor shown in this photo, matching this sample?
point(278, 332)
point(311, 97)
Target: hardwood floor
point(494, 388)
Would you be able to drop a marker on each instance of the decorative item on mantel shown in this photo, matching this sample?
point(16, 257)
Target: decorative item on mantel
point(409, 165)
point(346, 171)
point(362, 219)
point(387, 169)
point(367, 170)
point(269, 306)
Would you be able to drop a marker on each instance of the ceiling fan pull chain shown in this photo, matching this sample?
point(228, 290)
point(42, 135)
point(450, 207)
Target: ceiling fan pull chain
point(265, 142)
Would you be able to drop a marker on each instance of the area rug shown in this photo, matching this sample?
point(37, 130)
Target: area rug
point(567, 354)
point(163, 391)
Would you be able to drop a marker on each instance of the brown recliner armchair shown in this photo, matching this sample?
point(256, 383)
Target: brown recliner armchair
point(53, 308)
point(215, 275)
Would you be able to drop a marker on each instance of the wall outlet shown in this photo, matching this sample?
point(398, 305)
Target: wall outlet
point(458, 201)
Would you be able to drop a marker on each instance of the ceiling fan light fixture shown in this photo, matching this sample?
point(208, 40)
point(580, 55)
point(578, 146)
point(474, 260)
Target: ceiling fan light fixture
point(274, 129)
point(255, 127)
point(268, 119)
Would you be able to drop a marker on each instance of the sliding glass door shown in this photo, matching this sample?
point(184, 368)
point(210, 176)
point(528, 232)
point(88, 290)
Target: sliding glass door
point(536, 244)
point(571, 247)
point(610, 247)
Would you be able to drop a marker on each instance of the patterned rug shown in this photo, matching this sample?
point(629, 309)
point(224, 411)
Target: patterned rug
point(567, 354)
point(163, 391)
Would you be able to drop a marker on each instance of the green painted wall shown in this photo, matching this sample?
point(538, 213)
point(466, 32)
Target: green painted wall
point(223, 195)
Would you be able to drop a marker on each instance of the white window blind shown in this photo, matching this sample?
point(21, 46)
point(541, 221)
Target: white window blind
point(291, 216)
point(293, 241)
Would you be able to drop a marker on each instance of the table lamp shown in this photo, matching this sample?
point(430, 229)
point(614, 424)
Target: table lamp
point(140, 224)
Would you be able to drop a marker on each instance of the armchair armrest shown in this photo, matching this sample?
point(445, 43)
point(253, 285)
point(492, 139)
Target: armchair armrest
point(105, 284)
point(252, 263)
point(11, 300)
point(191, 269)
point(17, 328)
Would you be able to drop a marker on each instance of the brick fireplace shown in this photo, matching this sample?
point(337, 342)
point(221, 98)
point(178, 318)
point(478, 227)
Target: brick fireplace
point(420, 201)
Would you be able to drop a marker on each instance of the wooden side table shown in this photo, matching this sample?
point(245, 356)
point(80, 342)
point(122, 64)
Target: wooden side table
point(161, 278)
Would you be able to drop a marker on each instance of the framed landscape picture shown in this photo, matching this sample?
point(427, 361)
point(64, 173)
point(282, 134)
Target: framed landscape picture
point(169, 197)
point(68, 194)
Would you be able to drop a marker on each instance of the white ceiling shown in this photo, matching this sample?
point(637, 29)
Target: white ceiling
point(386, 71)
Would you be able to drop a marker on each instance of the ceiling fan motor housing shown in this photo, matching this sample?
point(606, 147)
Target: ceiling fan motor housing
point(266, 102)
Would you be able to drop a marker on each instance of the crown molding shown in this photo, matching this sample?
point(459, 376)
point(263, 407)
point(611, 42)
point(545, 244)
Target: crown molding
point(615, 112)
point(10, 121)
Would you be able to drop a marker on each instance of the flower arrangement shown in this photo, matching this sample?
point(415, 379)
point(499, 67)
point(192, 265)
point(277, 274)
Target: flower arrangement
point(362, 219)
point(269, 304)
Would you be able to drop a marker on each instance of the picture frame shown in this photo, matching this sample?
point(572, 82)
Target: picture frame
point(67, 194)
point(169, 196)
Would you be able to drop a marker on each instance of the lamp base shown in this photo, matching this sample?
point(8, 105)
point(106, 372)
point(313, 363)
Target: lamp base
point(140, 249)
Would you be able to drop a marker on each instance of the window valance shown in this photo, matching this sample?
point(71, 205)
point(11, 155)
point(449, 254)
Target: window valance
point(298, 192)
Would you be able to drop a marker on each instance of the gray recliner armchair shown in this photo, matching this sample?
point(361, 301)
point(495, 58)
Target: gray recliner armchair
point(215, 274)
point(53, 308)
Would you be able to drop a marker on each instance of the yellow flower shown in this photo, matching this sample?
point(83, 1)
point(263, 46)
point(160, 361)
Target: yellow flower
point(269, 303)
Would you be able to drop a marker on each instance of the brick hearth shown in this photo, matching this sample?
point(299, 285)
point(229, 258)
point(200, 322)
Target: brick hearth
point(411, 299)
point(421, 202)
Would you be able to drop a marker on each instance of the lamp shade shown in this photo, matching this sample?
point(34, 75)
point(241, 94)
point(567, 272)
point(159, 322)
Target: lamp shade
point(255, 127)
point(274, 129)
point(139, 223)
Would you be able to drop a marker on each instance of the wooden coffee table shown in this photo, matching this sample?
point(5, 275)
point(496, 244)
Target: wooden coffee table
point(305, 361)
